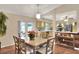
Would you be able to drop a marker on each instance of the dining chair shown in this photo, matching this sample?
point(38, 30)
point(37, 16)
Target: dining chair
point(20, 46)
point(24, 49)
point(47, 48)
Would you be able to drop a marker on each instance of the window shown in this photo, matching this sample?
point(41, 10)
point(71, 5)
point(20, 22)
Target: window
point(22, 29)
point(29, 26)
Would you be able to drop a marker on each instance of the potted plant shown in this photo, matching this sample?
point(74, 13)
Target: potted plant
point(3, 26)
point(31, 35)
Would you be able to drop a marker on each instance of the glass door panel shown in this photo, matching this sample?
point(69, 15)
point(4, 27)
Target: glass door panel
point(22, 30)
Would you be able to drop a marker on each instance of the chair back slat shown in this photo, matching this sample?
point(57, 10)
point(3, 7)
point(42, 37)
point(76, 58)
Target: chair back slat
point(16, 40)
point(22, 46)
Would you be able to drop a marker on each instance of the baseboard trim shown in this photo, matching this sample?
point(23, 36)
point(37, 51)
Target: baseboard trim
point(7, 46)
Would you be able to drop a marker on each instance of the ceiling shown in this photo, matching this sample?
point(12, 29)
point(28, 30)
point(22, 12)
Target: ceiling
point(27, 9)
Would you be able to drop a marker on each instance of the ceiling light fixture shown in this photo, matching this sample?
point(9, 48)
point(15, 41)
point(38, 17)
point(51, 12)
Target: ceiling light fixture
point(38, 15)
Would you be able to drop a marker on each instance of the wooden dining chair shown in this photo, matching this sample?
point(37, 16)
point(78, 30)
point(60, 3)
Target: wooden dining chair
point(20, 46)
point(48, 49)
point(24, 49)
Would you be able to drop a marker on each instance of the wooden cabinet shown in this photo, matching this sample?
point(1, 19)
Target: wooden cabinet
point(46, 34)
point(68, 39)
point(76, 40)
point(40, 25)
point(43, 25)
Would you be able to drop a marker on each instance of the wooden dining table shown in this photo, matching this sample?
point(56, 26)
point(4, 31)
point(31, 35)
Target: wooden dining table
point(34, 44)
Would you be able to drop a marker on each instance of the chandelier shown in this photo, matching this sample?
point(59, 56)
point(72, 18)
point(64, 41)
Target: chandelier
point(38, 15)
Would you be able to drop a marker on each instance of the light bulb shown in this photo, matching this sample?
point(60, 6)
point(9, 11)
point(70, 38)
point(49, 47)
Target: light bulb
point(38, 16)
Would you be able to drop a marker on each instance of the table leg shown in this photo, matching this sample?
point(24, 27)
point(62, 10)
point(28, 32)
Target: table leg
point(34, 50)
point(73, 43)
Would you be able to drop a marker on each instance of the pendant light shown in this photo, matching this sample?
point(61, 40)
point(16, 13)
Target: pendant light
point(38, 16)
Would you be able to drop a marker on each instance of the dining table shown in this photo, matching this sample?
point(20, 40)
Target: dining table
point(34, 44)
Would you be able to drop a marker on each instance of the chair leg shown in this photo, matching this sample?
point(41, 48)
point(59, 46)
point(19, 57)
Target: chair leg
point(16, 51)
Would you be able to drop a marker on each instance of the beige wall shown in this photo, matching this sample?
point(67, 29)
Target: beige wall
point(12, 29)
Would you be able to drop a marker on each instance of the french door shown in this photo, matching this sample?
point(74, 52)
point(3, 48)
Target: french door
point(24, 28)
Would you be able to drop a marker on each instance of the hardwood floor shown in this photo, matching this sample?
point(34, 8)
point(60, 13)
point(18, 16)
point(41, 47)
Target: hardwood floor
point(58, 50)
point(65, 50)
point(8, 50)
